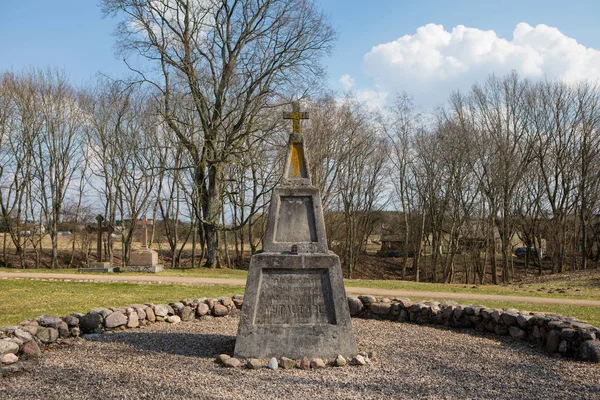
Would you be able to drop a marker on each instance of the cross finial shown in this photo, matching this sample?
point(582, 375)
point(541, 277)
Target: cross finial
point(144, 233)
point(295, 116)
point(100, 230)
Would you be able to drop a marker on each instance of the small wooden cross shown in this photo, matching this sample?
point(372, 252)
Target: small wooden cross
point(144, 233)
point(295, 116)
point(100, 230)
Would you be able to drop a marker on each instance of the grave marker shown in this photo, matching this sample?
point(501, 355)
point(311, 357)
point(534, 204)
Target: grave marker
point(144, 259)
point(295, 302)
point(99, 265)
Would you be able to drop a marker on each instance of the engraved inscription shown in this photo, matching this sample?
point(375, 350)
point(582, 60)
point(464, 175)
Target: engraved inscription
point(294, 297)
point(296, 220)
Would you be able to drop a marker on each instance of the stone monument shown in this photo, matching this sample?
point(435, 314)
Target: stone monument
point(144, 259)
point(295, 302)
point(99, 265)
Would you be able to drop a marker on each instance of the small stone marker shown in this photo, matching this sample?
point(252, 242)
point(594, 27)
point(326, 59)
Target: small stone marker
point(99, 265)
point(273, 364)
point(295, 302)
point(144, 259)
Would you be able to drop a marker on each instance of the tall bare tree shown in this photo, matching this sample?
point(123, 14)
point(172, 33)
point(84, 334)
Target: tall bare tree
point(228, 59)
point(57, 148)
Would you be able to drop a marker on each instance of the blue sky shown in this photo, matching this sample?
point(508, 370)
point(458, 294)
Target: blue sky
point(558, 40)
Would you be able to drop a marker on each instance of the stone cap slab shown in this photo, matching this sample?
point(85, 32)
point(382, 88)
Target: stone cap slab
point(296, 219)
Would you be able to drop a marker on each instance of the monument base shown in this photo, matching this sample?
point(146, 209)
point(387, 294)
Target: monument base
point(99, 267)
point(295, 306)
point(145, 268)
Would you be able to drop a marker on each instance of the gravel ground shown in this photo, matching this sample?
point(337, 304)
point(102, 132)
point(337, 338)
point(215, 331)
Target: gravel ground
point(166, 361)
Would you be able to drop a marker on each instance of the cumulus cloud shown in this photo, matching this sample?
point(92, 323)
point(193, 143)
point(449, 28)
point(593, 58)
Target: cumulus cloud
point(433, 61)
point(373, 99)
point(347, 82)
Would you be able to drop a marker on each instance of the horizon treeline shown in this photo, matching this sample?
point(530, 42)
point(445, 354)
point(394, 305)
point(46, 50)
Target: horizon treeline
point(510, 157)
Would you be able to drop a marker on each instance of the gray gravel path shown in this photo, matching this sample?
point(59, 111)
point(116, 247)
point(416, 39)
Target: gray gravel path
point(177, 362)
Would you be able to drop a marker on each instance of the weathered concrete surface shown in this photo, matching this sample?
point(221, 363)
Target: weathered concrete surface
point(99, 267)
point(295, 218)
point(295, 306)
point(144, 260)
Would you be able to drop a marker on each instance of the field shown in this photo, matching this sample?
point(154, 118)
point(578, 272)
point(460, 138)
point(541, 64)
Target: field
point(20, 299)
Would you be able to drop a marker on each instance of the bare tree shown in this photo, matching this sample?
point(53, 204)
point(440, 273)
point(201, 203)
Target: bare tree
point(588, 149)
point(503, 145)
point(360, 180)
point(18, 149)
point(229, 58)
point(555, 123)
point(58, 152)
point(401, 126)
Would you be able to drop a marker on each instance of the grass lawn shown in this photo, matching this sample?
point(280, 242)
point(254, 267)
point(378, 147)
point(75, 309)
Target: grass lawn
point(573, 289)
point(23, 299)
point(195, 272)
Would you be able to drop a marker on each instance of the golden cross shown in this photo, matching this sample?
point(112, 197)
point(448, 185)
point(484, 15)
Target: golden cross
point(295, 116)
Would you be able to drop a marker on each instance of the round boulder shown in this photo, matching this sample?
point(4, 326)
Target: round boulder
point(517, 333)
point(590, 350)
point(186, 313)
point(50, 321)
point(7, 347)
point(254, 363)
point(220, 310)
point(202, 309)
point(9, 358)
point(90, 322)
point(115, 320)
point(340, 361)
point(161, 310)
point(273, 364)
point(47, 335)
point(31, 350)
point(150, 314)
point(287, 363)
point(355, 306)
point(232, 363)
point(381, 308)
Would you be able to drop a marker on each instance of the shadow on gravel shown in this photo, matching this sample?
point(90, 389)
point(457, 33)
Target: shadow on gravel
point(187, 344)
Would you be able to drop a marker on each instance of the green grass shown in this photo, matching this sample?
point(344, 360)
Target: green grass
point(195, 272)
point(575, 289)
point(23, 299)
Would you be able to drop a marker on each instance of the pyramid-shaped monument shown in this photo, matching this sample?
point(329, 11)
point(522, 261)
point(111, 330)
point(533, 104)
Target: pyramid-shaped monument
point(295, 302)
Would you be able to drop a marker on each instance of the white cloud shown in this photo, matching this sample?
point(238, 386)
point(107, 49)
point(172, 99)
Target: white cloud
point(372, 99)
point(347, 82)
point(433, 61)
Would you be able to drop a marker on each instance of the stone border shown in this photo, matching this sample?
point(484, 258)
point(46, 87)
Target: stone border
point(558, 335)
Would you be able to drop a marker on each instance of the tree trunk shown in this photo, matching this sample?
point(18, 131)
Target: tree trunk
point(494, 266)
point(211, 207)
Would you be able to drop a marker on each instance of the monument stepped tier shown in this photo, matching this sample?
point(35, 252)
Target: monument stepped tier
point(144, 259)
point(295, 302)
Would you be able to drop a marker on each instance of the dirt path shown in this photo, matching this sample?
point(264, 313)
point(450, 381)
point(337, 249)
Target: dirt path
point(350, 290)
